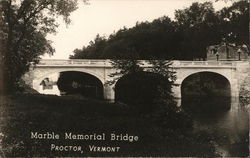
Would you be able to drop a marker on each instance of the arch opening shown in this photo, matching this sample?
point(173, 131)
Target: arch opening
point(139, 89)
point(71, 82)
point(206, 92)
point(80, 83)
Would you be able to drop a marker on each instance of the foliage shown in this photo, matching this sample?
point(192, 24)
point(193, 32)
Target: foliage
point(157, 75)
point(138, 90)
point(163, 67)
point(166, 113)
point(235, 21)
point(93, 49)
point(148, 90)
point(129, 64)
point(184, 38)
point(25, 25)
point(197, 29)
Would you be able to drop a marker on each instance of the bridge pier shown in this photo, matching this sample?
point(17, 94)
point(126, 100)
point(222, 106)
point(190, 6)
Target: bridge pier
point(109, 93)
point(176, 89)
point(234, 88)
point(177, 92)
point(235, 93)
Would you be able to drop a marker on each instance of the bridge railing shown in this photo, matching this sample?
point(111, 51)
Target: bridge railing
point(73, 62)
point(203, 63)
point(103, 62)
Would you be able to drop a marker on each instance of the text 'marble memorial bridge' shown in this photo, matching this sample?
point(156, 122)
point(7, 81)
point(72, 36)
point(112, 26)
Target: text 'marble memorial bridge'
point(234, 71)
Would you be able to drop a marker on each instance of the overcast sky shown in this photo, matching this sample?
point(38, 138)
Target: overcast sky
point(106, 16)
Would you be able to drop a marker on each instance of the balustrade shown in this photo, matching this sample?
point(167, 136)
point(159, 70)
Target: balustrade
point(100, 62)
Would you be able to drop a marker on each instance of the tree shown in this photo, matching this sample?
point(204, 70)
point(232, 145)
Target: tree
point(164, 95)
point(126, 64)
point(234, 23)
point(26, 24)
point(147, 39)
point(149, 91)
point(166, 113)
point(93, 50)
point(197, 27)
point(185, 38)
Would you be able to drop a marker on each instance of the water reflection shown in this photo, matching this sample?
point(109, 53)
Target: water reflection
point(208, 104)
point(224, 119)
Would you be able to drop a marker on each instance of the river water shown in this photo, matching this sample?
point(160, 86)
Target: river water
point(228, 125)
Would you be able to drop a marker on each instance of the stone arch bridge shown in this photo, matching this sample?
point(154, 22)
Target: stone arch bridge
point(233, 71)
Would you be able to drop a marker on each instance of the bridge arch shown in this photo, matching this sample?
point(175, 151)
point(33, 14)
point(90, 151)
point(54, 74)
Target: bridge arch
point(184, 75)
point(229, 74)
point(210, 89)
point(216, 73)
point(42, 74)
point(53, 74)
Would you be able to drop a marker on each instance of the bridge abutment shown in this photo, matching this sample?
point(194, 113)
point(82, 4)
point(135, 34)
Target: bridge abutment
point(234, 88)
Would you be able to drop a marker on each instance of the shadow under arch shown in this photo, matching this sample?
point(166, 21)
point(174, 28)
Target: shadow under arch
point(77, 82)
point(206, 91)
point(139, 89)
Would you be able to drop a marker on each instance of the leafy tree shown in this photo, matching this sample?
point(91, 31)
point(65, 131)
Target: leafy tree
point(234, 23)
point(26, 24)
point(185, 38)
point(163, 67)
point(197, 28)
point(147, 39)
point(166, 114)
point(125, 65)
point(149, 91)
point(164, 89)
point(93, 50)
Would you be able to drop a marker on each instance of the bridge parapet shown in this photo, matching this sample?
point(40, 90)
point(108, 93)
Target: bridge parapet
point(203, 63)
point(106, 63)
point(73, 62)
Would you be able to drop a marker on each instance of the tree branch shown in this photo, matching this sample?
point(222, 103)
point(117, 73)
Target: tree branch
point(26, 20)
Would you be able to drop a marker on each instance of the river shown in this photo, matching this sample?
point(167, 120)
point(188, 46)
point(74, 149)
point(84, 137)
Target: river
point(228, 127)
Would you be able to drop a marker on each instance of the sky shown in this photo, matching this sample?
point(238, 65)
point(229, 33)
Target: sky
point(106, 16)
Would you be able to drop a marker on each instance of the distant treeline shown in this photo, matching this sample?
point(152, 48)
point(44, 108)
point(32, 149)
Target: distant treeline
point(184, 38)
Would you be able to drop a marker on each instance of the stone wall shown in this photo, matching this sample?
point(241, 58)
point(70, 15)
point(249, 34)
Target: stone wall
point(245, 86)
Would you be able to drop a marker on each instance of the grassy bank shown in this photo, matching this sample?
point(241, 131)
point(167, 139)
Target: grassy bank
point(23, 114)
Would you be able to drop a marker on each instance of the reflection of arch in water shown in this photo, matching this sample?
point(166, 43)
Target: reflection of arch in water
point(75, 82)
point(206, 88)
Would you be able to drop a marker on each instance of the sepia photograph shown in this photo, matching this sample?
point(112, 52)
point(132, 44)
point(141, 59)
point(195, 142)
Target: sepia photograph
point(124, 78)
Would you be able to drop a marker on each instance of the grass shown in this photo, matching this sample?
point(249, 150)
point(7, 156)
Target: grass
point(21, 114)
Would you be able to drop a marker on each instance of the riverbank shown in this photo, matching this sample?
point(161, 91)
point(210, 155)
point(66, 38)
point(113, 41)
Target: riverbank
point(22, 114)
